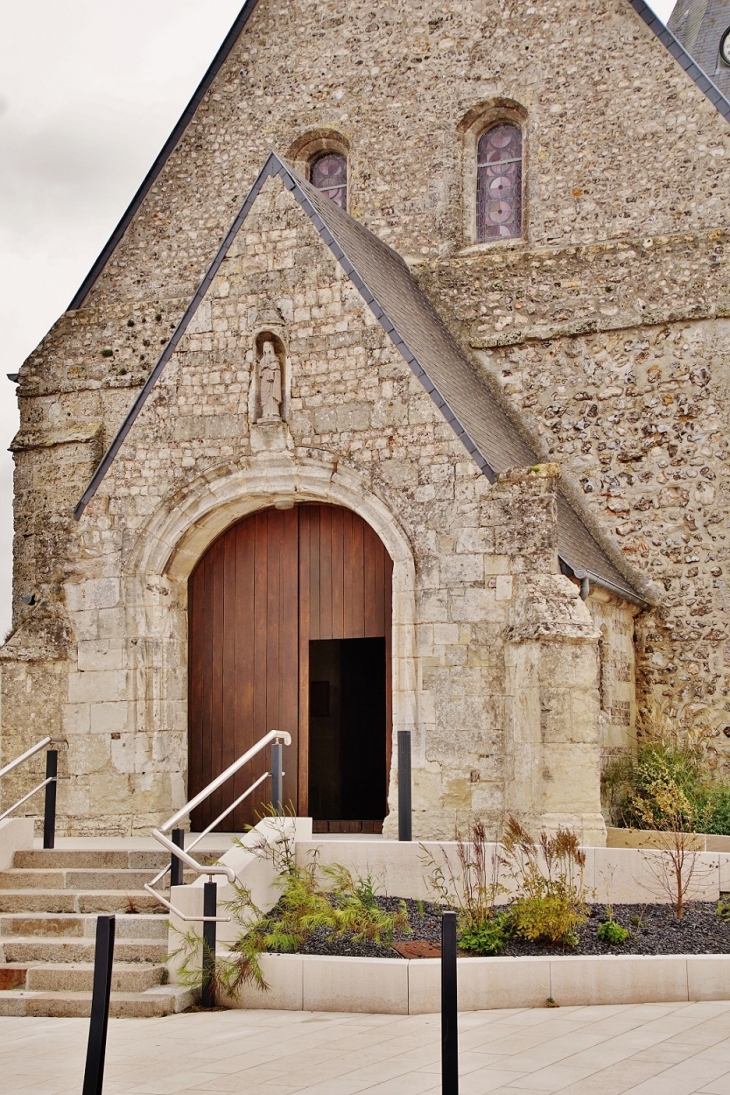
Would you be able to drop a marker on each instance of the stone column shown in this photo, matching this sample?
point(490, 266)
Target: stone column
point(552, 770)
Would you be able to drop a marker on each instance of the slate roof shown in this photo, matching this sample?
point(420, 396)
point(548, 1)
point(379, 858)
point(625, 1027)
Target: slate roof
point(408, 317)
point(699, 25)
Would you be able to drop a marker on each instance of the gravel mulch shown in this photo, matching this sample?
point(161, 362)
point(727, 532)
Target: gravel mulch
point(654, 930)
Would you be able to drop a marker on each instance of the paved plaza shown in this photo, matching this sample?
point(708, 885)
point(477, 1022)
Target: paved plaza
point(648, 1049)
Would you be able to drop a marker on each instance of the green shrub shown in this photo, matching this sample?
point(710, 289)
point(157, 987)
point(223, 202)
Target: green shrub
point(550, 918)
point(487, 938)
point(723, 910)
point(667, 787)
point(550, 896)
point(717, 811)
point(355, 910)
point(611, 932)
point(665, 792)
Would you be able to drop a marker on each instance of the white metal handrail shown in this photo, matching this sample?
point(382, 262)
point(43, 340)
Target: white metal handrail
point(161, 834)
point(16, 764)
point(25, 756)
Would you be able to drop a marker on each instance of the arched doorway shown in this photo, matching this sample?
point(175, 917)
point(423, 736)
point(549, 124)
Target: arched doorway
point(290, 629)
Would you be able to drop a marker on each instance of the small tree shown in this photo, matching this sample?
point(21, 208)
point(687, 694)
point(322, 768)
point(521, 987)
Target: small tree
point(677, 871)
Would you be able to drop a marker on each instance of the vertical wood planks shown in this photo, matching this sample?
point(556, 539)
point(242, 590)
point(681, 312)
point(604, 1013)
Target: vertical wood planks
point(263, 589)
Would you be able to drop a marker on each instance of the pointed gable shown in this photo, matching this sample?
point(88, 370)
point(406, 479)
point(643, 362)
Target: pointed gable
point(290, 93)
point(407, 316)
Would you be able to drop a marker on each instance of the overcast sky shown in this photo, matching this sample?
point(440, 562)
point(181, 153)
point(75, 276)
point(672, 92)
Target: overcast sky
point(89, 91)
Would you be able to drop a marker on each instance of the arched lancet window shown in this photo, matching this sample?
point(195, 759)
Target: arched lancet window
point(329, 174)
point(499, 183)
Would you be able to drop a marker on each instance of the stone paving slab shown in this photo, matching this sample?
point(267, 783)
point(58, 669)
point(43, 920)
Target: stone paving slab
point(642, 1049)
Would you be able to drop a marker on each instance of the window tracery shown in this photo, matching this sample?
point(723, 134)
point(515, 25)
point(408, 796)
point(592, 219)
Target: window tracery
point(499, 183)
point(328, 173)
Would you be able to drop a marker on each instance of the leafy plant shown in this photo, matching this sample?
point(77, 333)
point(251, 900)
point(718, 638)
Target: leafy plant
point(548, 873)
point(489, 937)
point(667, 785)
point(471, 885)
point(312, 897)
point(611, 932)
point(354, 909)
point(723, 910)
point(717, 811)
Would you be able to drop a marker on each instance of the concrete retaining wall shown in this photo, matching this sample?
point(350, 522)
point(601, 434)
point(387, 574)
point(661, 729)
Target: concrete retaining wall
point(412, 987)
point(16, 835)
point(617, 875)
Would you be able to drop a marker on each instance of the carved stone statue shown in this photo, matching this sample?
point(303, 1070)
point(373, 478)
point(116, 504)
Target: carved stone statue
point(270, 382)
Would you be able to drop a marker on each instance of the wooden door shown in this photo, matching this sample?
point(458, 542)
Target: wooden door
point(345, 582)
point(243, 670)
point(263, 589)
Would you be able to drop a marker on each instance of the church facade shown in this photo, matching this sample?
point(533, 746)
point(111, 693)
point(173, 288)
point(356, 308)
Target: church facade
point(397, 401)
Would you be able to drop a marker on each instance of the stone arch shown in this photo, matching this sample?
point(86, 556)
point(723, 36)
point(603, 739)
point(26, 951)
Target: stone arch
point(313, 143)
point(175, 537)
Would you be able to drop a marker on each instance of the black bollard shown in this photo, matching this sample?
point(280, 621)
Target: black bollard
point(449, 1027)
point(277, 778)
point(210, 904)
point(405, 811)
point(103, 962)
point(176, 865)
point(49, 812)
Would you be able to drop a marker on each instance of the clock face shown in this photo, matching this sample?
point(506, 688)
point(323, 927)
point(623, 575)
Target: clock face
point(725, 46)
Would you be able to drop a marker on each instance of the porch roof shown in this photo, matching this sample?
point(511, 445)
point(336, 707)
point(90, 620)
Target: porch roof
point(406, 314)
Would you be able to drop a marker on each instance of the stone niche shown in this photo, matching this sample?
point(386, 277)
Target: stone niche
point(270, 393)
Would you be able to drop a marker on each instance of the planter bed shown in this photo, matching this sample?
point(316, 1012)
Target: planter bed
point(665, 960)
point(654, 930)
point(311, 982)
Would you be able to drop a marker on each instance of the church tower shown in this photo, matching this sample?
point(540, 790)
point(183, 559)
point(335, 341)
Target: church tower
point(702, 27)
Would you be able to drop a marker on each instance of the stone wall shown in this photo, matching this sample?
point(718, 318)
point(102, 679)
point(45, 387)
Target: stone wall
point(476, 582)
point(639, 416)
point(603, 329)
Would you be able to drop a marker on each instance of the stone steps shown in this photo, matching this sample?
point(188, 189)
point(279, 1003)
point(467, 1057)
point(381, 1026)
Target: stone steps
point(40, 949)
point(21, 878)
point(49, 901)
point(77, 1005)
point(144, 926)
point(79, 976)
point(83, 901)
point(120, 861)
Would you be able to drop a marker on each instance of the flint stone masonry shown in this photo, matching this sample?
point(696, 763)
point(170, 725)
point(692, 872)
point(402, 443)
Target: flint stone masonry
point(639, 417)
point(478, 574)
point(602, 331)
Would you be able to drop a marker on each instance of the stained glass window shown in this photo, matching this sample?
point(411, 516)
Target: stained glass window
point(499, 183)
point(329, 174)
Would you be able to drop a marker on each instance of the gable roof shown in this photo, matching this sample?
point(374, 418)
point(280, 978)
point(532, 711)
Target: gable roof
point(642, 9)
point(167, 149)
point(700, 25)
point(680, 54)
point(405, 313)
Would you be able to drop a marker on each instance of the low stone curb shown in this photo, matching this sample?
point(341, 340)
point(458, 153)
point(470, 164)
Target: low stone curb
point(412, 986)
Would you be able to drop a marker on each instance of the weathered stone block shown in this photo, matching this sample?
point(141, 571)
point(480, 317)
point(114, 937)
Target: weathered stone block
point(95, 686)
